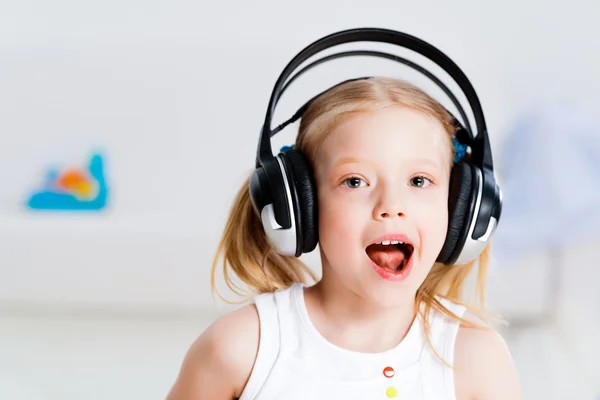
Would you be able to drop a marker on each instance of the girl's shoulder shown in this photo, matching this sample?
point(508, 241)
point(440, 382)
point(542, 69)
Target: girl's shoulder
point(483, 365)
point(219, 362)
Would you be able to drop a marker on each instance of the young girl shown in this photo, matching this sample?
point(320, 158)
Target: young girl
point(385, 321)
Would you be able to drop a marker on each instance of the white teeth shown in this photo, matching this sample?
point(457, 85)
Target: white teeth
point(388, 242)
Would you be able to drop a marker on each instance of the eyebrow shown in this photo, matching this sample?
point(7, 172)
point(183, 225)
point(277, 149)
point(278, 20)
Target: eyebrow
point(346, 160)
point(426, 161)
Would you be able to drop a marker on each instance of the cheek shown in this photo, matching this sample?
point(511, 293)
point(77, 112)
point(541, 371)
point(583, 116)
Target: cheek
point(332, 215)
point(339, 223)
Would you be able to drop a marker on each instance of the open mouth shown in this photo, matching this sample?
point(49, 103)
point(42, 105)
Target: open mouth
point(390, 255)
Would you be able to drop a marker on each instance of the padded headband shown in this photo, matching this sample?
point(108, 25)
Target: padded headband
point(379, 54)
point(481, 151)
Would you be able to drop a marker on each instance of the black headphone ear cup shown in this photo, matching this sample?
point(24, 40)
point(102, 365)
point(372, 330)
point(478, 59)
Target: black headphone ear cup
point(305, 206)
point(460, 197)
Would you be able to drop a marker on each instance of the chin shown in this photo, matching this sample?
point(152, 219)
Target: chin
point(387, 296)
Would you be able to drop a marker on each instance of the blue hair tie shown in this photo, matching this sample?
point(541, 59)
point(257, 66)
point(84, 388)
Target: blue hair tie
point(285, 149)
point(461, 150)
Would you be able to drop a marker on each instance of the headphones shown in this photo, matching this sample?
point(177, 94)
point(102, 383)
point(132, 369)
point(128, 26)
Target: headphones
point(283, 191)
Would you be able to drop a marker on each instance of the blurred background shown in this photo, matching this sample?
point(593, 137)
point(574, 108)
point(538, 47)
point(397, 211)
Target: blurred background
point(126, 128)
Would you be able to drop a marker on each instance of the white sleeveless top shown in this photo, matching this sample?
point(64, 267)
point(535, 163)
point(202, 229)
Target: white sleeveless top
point(294, 362)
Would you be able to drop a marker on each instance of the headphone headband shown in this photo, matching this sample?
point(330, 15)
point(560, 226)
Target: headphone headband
point(379, 54)
point(481, 148)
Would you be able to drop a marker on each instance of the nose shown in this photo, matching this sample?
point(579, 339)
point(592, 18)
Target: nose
point(389, 205)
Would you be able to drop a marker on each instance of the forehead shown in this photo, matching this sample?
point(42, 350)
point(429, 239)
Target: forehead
point(390, 136)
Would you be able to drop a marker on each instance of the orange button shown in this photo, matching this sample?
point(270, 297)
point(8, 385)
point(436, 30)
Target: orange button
point(388, 372)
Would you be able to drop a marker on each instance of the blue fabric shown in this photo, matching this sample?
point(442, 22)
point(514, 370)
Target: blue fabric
point(461, 150)
point(549, 173)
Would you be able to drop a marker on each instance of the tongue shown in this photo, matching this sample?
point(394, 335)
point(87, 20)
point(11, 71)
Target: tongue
point(386, 256)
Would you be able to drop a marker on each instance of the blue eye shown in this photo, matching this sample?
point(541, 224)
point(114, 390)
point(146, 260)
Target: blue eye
point(354, 182)
point(420, 181)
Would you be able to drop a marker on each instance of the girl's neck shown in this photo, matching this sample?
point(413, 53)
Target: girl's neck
point(351, 322)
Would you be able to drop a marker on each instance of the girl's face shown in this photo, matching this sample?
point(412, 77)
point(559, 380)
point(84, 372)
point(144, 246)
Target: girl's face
point(383, 176)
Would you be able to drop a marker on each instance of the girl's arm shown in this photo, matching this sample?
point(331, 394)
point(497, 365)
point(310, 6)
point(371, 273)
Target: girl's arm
point(218, 364)
point(484, 368)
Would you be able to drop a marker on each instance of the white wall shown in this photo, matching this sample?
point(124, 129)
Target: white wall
point(176, 91)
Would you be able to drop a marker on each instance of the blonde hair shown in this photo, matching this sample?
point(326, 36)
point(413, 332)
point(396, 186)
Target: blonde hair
point(244, 248)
